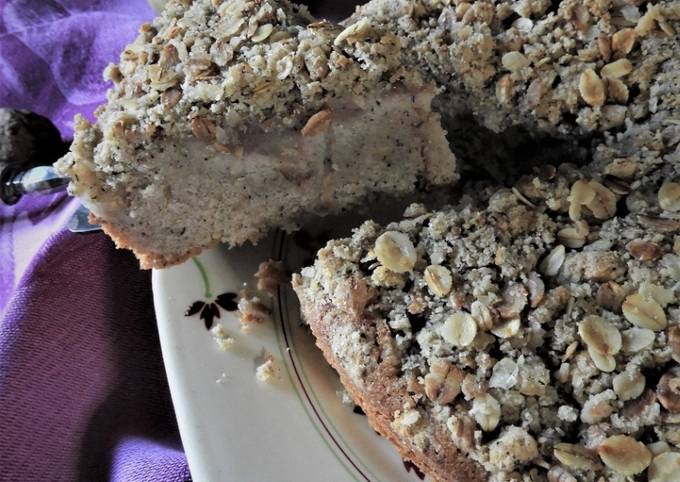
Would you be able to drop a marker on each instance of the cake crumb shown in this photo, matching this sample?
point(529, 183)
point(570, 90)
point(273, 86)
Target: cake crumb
point(221, 337)
point(270, 275)
point(345, 398)
point(268, 371)
point(252, 309)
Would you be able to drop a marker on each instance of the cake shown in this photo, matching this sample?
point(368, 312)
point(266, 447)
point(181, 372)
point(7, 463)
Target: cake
point(519, 335)
point(228, 119)
point(529, 331)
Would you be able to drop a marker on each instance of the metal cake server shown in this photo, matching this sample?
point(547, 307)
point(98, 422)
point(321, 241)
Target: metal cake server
point(44, 180)
point(29, 144)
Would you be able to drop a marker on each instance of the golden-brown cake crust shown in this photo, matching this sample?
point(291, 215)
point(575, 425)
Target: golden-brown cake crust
point(381, 395)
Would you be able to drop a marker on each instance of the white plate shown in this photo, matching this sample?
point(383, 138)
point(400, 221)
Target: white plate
point(236, 428)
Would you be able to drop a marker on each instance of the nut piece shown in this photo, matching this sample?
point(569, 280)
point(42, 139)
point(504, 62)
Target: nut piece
point(459, 329)
point(557, 473)
point(629, 384)
point(317, 123)
point(203, 129)
point(507, 329)
point(624, 455)
point(668, 390)
point(536, 289)
point(552, 263)
point(603, 341)
point(487, 412)
point(664, 468)
point(610, 296)
point(644, 312)
point(575, 457)
point(504, 374)
point(262, 32)
point(603, 205)
point(395, 251)
point(482, 315)
point(617, 90)
point(514, 61)
point(674, 341)
point(462, 430)
point(438, 279)
point(617, 69)
point(635, 339)
point(442, 383)
point(591, 88)
point(669, 196)
point(644, 250)
point(623, 41)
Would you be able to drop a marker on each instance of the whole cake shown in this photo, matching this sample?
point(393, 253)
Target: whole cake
point(528, 332)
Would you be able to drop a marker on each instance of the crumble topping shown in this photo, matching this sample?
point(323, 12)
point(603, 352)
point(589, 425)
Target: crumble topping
point(547, 355)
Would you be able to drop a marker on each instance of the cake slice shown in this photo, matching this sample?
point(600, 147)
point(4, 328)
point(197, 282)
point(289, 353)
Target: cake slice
point(228, 119)
point(524, 334)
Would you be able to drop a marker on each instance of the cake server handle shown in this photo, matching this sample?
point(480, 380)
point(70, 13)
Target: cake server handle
point(40, 179)
point(29, 144)
point(44, 180)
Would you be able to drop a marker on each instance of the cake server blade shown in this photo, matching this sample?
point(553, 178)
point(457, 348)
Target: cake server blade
point(44, 180)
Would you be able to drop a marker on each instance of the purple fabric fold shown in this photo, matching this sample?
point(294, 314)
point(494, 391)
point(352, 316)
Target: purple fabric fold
point(83, 393)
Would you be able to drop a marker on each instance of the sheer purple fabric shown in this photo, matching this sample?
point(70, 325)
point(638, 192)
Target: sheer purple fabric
point(83, 393)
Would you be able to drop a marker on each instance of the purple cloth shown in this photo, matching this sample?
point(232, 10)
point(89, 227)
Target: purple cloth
point(83, 393)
